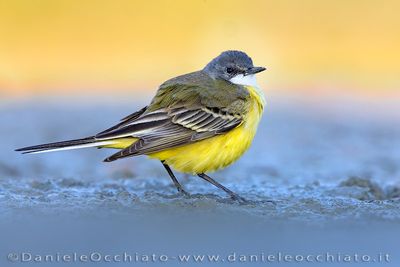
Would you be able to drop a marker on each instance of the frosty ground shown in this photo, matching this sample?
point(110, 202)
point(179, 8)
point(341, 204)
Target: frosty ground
point(332, 175)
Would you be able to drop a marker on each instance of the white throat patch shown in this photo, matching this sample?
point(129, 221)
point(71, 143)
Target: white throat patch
point(248, 80)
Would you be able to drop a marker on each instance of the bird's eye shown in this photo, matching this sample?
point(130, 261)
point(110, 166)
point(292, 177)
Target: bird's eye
point(230, 70)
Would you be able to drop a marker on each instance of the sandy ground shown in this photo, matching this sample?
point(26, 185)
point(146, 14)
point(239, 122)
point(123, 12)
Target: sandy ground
point(334, 178)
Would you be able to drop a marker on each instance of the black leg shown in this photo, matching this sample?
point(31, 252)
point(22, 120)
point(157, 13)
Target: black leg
point(173, 178)
point(233, 195)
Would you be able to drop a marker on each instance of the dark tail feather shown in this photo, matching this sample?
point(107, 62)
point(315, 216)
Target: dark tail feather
point(70, 144)
point(120, 154)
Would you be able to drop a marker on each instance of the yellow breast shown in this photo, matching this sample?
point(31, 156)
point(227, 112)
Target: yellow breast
point(220, 151)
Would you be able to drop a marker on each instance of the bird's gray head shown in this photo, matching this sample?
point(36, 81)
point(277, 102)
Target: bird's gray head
point(233, 66)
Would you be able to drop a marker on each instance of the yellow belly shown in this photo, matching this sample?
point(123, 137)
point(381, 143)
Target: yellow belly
point(217, 152)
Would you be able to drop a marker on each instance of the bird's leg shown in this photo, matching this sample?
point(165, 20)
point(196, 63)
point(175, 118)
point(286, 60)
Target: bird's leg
point(233, 195)
point(173, 178)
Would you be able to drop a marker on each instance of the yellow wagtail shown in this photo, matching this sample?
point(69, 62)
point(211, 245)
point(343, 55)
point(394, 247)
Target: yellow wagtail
point(197, 123)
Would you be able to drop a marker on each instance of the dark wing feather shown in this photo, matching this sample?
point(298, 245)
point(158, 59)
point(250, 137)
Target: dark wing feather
point(135, 127)
point(182, 128)
point(125, 121)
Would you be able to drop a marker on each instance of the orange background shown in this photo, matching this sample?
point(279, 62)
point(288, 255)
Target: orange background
point(67, 47)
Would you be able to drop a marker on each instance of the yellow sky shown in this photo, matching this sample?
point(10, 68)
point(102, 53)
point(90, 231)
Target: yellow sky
point(71, 46)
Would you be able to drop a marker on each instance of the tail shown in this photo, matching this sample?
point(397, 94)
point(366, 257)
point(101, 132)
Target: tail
point(65, 145)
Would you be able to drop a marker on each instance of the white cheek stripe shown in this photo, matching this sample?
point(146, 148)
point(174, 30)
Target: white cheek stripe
point(249, 80)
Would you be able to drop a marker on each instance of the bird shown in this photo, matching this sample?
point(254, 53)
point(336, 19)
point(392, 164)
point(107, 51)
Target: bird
point(196, 123)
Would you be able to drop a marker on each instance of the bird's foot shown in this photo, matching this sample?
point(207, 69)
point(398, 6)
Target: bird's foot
point(239, 199)
point(183, 192)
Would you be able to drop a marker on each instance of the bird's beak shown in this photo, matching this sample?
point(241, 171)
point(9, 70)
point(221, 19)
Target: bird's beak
point(254, 70)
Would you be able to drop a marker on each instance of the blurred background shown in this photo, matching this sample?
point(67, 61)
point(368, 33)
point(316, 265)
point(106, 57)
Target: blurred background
point(109, 47)
point(327, 149)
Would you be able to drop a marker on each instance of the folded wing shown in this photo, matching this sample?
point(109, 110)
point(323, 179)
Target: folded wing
point(172, 128)
point(179, 114)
